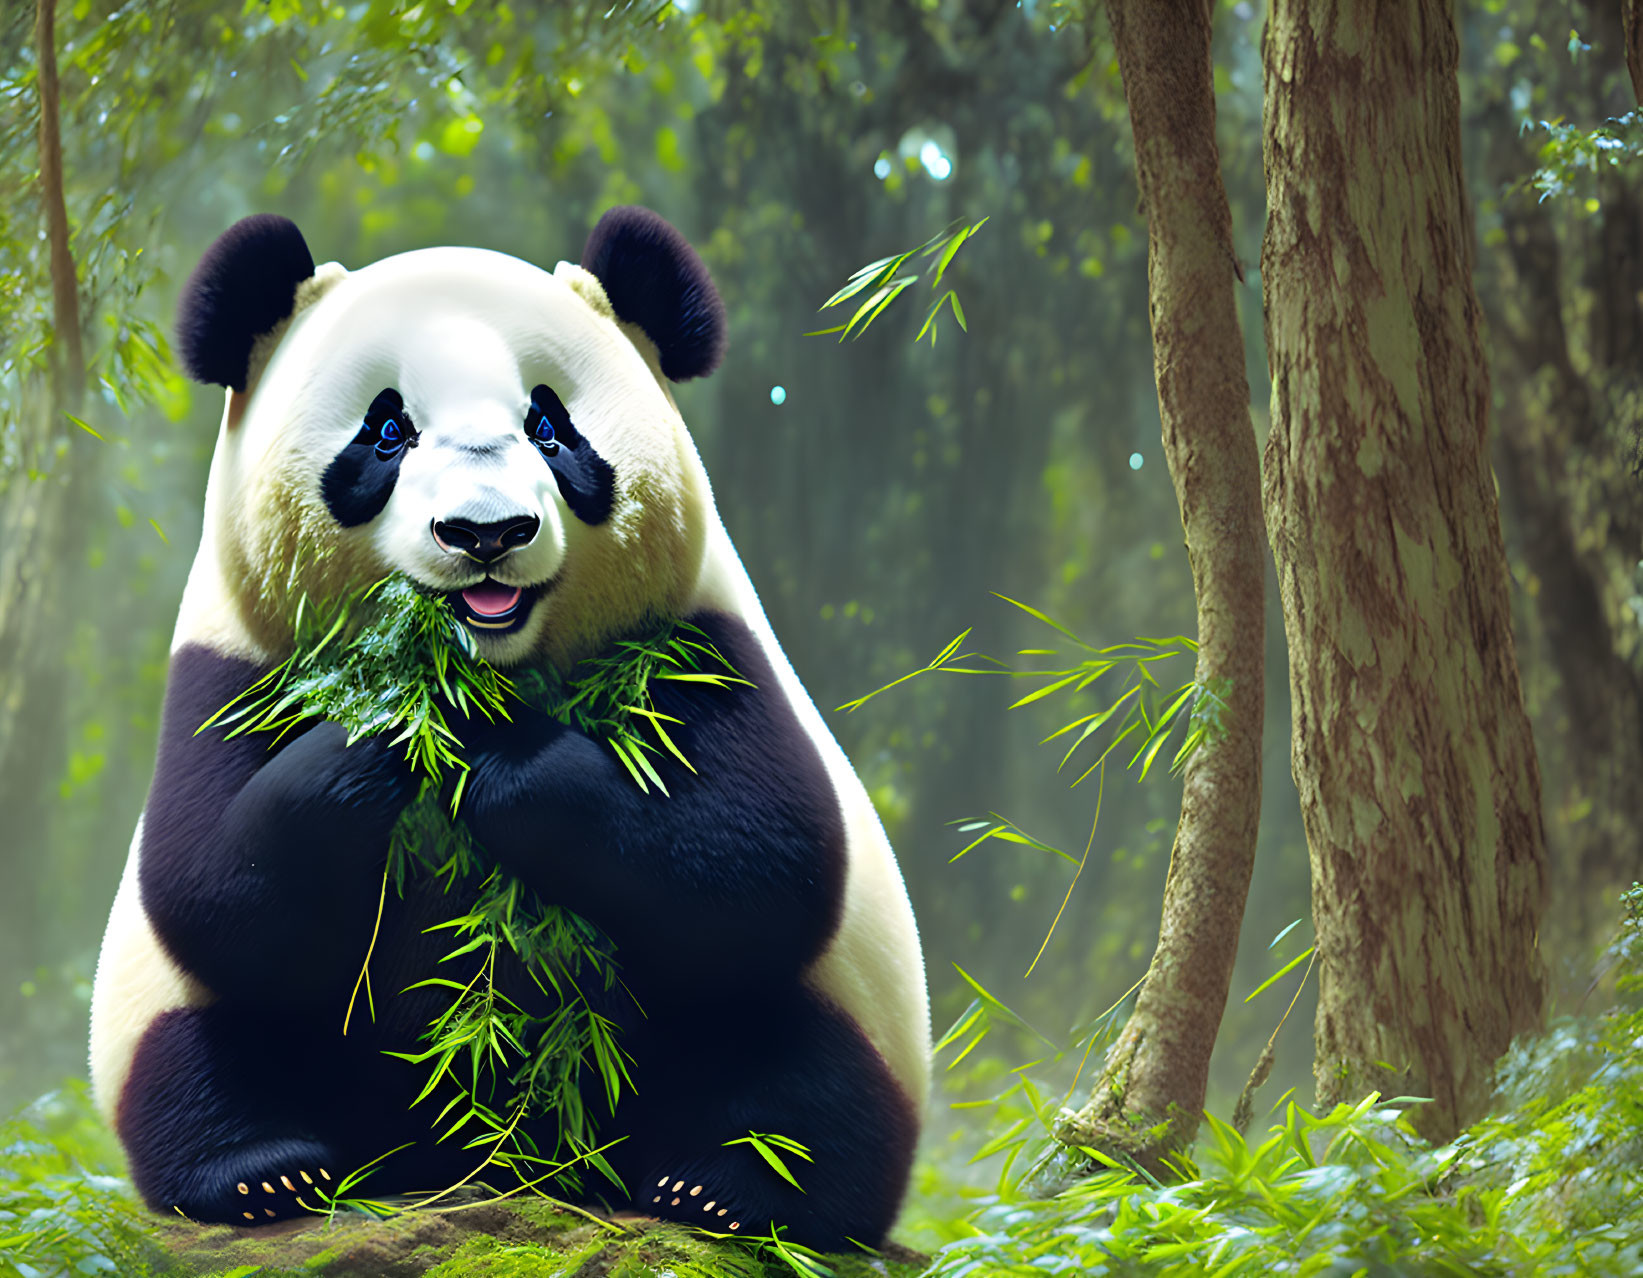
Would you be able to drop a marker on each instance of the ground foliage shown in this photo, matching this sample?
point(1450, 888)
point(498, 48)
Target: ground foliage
point(66, 1211)
point(1551, 1183)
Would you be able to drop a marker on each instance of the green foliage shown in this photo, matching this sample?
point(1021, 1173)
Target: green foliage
point(61, 1210)
point(1571, 157)
point(389, 658)
point(608, 696)
point(770, 1147)
point(507, 1062)
point(1552, 1183)
point(65, 1211)
point(883, 283)
point(1143, 714)
point(1149, 715)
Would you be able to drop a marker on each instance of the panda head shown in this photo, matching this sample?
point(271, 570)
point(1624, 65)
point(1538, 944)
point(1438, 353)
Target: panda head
point(501, 435)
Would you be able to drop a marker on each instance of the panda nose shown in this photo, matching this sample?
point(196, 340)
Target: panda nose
point(485, 543)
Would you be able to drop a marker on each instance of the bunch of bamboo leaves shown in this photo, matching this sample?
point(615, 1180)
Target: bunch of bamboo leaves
point(392, 659)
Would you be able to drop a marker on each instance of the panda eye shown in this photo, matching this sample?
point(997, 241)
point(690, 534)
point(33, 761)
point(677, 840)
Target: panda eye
point(387, 427)
point(540, 431)
point(547, 424)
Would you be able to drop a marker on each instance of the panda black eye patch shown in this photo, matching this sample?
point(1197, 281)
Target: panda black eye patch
point(586, 480)
point(360, 479)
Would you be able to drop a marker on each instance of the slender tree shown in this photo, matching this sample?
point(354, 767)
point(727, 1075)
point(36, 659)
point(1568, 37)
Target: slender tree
point(69, 358)
point(1151, 1094)
point(1417, 774)
point(37, 515)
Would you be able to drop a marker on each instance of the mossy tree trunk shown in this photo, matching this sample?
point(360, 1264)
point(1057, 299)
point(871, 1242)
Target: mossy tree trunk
point(1150, 1096)
point(1417, 774)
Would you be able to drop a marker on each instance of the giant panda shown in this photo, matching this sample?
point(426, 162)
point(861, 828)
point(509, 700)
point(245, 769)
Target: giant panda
point(506, 437)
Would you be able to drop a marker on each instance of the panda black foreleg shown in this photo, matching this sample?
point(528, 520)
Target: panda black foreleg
point(731, 880)
point(804, 1072)
point(260, 868)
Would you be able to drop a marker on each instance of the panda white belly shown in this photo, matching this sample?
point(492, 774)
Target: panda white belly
point(136, 982)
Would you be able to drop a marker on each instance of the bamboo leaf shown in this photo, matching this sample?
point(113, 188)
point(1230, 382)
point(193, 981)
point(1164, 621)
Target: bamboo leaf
point(1282, 972)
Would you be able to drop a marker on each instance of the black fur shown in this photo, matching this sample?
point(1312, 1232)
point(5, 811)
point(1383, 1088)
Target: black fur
point(244, 285)
point(260, 870)
point(655, 279)
point(734, 882)
point(586, 480)
point(239, 832)
point(361, 478)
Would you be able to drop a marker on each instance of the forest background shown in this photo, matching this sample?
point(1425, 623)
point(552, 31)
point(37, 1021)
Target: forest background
point(879, 489)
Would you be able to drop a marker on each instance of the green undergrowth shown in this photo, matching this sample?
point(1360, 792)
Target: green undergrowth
point(65, 1211)
point(1550, 1184)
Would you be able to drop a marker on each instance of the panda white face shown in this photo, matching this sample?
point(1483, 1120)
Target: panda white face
point(470, 421)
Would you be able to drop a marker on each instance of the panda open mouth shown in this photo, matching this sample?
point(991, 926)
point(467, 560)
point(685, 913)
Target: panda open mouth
point(493, 607)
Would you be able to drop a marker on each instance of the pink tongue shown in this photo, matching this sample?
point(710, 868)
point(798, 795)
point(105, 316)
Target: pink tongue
point(491, 598)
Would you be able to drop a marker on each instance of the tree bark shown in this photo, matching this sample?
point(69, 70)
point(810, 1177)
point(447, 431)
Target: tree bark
point(1418, 782)
point(1150, 1096)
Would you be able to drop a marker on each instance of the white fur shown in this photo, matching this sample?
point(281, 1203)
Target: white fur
point(136, 981)
point(464, 335)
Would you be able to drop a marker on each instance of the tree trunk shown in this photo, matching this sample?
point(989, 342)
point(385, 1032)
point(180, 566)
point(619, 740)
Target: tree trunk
point(1418, 782)
point(1151, 1094)
point(38, 540)
point(68, 354)
point(1576, 520)
point(35, 507)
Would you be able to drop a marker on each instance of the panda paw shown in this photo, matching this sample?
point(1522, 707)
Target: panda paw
point(689, 1202)
point(273, 1181)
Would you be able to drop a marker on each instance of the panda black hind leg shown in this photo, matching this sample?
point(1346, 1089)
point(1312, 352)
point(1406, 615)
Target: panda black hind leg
point(225, 1118)
point(802, 1071)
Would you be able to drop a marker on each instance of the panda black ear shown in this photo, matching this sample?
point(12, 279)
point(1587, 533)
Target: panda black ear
point(655, 279)
point(244, 285)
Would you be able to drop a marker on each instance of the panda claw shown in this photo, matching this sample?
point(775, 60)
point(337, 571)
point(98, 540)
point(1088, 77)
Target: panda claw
point(276, 1168)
